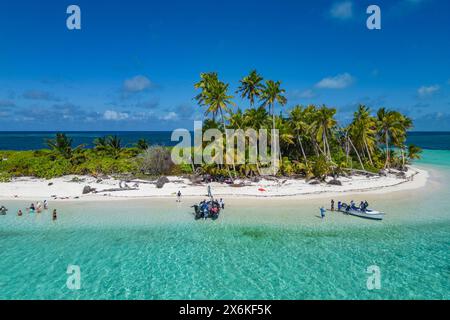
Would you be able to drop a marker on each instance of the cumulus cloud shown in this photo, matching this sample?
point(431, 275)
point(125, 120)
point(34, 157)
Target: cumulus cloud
point(58, 113)
point(170, 116)
point(112, 115)
point(136, 84)
point(303, 94)
point(340, 81)
point(342, 10)
point(39, 95)
point(427, 91)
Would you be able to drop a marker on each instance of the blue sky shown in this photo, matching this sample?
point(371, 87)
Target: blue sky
point(133, 64)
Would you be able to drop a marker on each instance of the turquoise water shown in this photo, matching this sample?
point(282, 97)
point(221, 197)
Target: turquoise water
point(261, 249)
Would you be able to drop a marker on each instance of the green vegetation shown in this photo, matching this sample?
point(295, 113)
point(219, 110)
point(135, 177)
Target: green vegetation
point(312, 142)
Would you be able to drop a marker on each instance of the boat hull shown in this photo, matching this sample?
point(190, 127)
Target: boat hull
point(372, 215)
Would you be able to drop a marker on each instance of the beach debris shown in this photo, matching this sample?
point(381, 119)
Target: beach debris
point(335, 182)
point(88, 189)
point(162, 181)
point(50, 184)
point(262, 189)
point(401, 174)
point(382, 173)
point(114, 190)
point(314, 182)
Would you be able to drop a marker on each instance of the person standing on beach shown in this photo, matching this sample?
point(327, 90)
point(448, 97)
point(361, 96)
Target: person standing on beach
point(209, 191)
point(322, 212)
point(179, 196)
point(332, 205)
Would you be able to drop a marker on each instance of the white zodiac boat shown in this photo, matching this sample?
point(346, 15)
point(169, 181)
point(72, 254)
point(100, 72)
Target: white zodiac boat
point(367, 213)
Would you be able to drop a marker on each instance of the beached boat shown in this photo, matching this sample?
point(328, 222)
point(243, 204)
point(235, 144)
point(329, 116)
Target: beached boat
point(367, 213)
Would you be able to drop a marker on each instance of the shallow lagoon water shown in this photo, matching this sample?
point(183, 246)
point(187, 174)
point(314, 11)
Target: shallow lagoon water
point(258, 249)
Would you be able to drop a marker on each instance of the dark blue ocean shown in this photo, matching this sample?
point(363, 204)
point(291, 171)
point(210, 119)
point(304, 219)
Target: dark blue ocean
point(29, 140)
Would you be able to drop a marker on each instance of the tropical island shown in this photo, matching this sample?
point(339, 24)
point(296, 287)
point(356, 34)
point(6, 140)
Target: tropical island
point(317, 153)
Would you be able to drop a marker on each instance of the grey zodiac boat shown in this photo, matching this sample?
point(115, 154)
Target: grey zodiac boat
point(363, 213)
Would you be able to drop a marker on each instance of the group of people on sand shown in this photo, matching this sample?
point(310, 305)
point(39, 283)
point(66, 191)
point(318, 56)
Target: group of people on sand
point(340, 206)
point(211, 208)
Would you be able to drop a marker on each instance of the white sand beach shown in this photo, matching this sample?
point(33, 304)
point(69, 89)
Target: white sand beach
point(71, 187)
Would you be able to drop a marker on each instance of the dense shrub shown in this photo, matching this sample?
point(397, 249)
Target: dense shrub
point(156, 160)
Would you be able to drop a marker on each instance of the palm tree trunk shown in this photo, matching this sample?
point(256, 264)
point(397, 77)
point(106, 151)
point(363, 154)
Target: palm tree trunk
point(388, 158)
point(303, 150)
point(357, 153)
point(224, 128)
point(403, 156)
point(347, 149)
point(273, 115)
point(368, 153)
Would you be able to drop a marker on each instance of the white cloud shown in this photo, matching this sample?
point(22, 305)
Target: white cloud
point(342, 10)
point(307, 94)
point(425, 91)
point(114, 115)
point(340, 81)
point(169, 116)
point(137, 84)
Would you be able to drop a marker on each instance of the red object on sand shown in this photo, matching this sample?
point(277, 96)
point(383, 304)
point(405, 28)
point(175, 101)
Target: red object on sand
point(261, 189)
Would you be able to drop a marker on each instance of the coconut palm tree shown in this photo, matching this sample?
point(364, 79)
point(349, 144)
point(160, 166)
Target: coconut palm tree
point(363, 131)
point(206, 81)
point(236, 119)
point(414, 152)
point(344, 133)
point(62, 144)
point(297, 119)
point(285, 134)
point(251, 87)
point(114, 146)
point(257, 118)
point(389, 126)
point(324, 124)
point(100, 143)
point(214, 96)
point(272, 94)
point(142, 144)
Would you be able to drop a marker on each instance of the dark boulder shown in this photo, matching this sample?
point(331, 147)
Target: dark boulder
point(162, 181)
point(255, 179)
point(335, 182)
point(314, 182)
point(88, 189)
